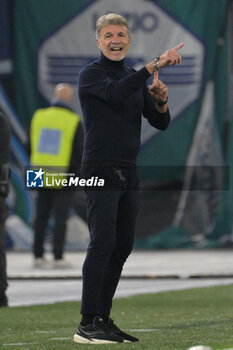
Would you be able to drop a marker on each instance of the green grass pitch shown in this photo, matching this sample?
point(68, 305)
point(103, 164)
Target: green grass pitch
point(166, 321)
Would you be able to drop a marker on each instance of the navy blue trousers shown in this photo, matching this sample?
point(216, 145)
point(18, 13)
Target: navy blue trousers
point(111, 214)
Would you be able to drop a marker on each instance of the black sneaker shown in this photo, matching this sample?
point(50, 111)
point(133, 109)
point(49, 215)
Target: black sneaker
point(119, 332)
point(96, 333)
point(3, 300)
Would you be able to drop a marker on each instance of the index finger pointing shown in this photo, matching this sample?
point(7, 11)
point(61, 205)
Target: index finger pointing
point(178, 47)
point(156, 78)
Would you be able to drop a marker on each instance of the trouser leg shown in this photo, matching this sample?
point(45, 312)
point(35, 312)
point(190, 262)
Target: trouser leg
point(43, 209)
point(102, 213)
point(3, 274)
point(126, 219)
point(62, 202)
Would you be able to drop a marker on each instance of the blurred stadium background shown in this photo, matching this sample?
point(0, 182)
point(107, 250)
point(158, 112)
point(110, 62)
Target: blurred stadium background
point(187, 172)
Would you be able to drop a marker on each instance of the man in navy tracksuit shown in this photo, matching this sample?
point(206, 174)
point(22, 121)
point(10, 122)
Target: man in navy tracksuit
point(113, 97)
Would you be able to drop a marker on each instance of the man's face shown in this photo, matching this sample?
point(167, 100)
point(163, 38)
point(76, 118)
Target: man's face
point(114, 41)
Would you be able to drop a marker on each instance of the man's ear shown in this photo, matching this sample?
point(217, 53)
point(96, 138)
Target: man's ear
point(98, 43)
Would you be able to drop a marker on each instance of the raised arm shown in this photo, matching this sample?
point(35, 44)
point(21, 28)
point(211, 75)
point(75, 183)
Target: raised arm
point(96, 82)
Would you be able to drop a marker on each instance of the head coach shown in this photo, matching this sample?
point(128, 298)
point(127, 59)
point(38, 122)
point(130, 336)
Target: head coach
point(114, 98)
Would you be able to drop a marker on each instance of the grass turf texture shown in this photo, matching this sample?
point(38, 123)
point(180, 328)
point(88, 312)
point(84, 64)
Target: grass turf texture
point(173, 320)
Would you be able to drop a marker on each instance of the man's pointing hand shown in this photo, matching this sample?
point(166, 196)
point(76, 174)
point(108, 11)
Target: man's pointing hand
point(168, 58)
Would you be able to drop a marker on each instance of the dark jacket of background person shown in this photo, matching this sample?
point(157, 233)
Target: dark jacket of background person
point(4, 188)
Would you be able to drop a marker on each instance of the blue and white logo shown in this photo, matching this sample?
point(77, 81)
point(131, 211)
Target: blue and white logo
point(35, 178)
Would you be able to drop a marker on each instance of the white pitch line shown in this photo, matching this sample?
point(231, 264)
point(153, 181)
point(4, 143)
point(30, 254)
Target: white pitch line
point(44, 332)
point(143, 330)
point(19, 344)
point(60, 338)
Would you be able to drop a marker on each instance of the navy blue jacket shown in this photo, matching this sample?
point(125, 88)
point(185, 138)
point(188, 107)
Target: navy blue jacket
point(113, 98)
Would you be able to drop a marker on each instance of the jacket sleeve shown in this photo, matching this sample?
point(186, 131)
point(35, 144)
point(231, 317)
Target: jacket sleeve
point(95, 81)
point(156, 119)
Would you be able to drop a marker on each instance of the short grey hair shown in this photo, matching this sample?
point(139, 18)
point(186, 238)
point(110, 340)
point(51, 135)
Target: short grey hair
point(110, 18)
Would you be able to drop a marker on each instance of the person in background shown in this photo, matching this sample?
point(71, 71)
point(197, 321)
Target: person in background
point(56, 139)
point(113, 98)
point(4, 189)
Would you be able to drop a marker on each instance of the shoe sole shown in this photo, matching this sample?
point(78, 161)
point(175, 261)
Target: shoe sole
point(82, 340)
